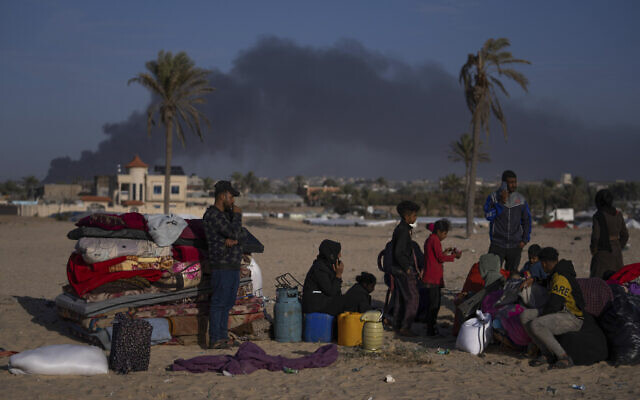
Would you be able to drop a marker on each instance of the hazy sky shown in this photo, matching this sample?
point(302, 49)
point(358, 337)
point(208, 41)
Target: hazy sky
point(64, 67)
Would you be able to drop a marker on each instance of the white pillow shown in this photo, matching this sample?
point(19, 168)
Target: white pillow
point(60, 359)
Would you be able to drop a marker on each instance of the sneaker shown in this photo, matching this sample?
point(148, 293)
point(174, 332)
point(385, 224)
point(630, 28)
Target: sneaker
point(562, 363)
point(221, 344)
point(433, 331)
point(536, 362)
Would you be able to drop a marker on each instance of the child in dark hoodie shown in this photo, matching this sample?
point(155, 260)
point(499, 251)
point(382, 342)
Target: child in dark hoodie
point(563, 312)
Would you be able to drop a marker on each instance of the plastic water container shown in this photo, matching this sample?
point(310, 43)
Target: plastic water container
point(256, 277)
point(372, 332)
point(318, 327)
point(350, 329)
point(288, 315)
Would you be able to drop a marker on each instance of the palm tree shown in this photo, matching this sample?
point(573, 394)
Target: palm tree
point(462, 150)
point(30, 184)
point(450, 186)
point(481, 94)
point(177, 86)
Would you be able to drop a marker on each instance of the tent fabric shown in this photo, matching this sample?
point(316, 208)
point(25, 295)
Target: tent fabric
point(556, 224)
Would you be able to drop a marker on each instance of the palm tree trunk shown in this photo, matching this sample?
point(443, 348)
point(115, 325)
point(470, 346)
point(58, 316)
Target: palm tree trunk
point(167, 165)
point(471, 188)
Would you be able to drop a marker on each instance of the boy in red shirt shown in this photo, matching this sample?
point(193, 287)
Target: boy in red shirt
point(432, 278)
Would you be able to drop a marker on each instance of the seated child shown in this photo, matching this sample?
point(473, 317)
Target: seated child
point(533, 268)
point(433, 274)
point(562, 313)
point(358, 297)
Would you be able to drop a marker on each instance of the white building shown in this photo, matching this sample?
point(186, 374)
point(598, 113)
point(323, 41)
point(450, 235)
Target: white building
point(137, 187)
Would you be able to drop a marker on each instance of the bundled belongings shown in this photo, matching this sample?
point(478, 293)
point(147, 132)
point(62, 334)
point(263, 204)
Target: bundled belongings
point(586, 346)
point(621, 324)
point(153, 268)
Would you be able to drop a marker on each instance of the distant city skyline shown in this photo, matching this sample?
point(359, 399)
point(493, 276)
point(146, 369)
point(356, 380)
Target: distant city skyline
point(65, 65)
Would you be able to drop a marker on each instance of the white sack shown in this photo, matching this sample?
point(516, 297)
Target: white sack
point(60, 359)
point(475, 334)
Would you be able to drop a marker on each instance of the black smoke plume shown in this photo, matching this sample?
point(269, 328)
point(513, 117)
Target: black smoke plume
point(285, 109)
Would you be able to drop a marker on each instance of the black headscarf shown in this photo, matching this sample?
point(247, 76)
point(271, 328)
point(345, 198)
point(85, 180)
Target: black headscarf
point(604, 203)
point(329, 251)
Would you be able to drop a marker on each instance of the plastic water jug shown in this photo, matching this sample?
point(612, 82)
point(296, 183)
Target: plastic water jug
point(318, 327)
point(372, 332)
point(288, 315)
point(350, 329)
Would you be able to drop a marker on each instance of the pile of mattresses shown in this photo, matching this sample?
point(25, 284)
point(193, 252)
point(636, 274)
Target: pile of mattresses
point(151, 267)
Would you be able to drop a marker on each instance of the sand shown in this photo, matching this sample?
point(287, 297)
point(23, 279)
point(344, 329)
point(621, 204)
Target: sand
point(33, 255)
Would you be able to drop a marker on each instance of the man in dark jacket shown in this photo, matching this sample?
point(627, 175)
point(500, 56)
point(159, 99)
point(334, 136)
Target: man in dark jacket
point(564, 311)
point(404, 270)
point(510, 221)
point(322, 289)
point(222, 226)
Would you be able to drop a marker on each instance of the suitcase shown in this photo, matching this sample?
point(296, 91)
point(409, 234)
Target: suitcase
point(130, 344)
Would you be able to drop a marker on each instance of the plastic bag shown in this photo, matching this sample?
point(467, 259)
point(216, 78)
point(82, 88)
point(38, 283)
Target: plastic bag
point(60, 359)
point(621, 323)
point(475, 334)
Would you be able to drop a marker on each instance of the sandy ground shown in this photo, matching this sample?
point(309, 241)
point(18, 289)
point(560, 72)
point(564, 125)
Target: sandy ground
point(32, 270)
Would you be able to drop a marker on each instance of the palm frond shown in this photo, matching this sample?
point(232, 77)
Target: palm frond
point(516, 76)
point(500, 85)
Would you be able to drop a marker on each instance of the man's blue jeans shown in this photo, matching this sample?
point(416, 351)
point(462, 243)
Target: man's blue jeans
point(224, 283)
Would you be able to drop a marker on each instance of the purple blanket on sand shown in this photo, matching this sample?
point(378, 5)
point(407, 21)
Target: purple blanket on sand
point(251, 357)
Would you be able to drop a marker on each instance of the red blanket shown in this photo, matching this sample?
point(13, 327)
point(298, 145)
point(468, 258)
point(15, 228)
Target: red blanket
point(83, 278)
point(188, 253)
point(626, 274)
point(194, 230)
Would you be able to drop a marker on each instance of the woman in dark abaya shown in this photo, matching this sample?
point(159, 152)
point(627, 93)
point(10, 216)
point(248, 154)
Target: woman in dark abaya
point(609, 235)
point(322, 289)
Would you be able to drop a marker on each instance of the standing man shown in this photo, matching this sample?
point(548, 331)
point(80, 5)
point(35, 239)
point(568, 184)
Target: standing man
point(510, 221)
point(222, 227)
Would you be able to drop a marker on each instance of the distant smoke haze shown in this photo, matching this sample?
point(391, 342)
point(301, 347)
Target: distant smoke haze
point(285, 109)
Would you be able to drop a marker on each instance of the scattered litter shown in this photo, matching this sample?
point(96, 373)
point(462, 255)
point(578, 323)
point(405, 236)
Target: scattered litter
point(227, 373)
point(167, 380)
point(389, 379)
point(370, 398)
point(443, 351)
point(472, 250)
point(578, 387)
point(577, 238)
point(551, 390)
point(357, 369)
point(288, 370)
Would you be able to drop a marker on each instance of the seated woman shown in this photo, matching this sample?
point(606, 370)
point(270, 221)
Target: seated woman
point(478, 275)
point(322, 289)
point(358, 298)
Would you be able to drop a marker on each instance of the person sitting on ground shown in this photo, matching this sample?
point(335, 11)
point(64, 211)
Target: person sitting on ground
point(562, 313)
point(358, 297)
point(404, 269)
point(533, 267)
point(485, 268)
point(322, 289)
point(432, 276)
